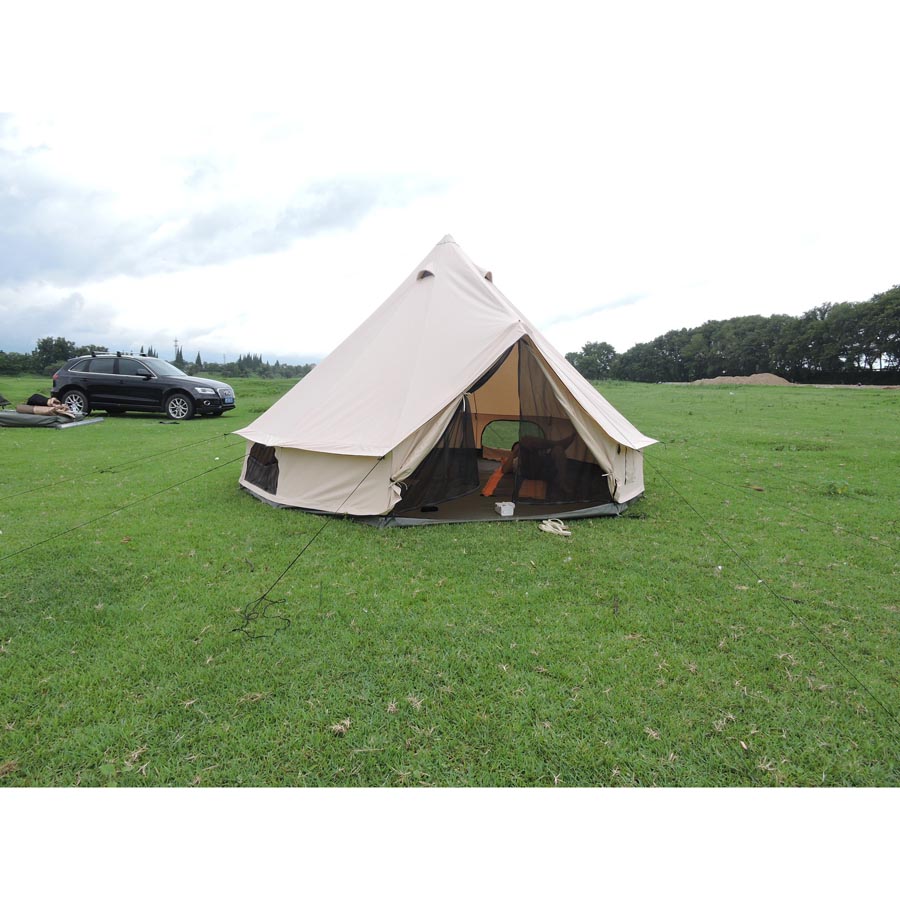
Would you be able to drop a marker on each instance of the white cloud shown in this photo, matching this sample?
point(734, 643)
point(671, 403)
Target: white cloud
point(706, 159)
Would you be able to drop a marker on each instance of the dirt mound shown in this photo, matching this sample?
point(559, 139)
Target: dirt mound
point(759, 378)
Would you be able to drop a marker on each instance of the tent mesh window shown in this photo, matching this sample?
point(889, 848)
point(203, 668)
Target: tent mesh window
point(558, 467)
point(262, 468)
point(501, 434)
point(449, 471)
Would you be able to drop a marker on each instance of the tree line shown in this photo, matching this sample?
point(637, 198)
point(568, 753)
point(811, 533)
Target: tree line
point(245, 366)
point(840, 343)
point(51, 352)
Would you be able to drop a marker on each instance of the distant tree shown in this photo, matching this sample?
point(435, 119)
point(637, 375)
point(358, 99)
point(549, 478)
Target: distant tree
point(594, 360)
point(840, 342)
point(15, 363)
point(87, 349)
point(179, 358)
point(662, 359)
point(52, 350)
point(198, 363)
point(253, 364)
point(884, 320)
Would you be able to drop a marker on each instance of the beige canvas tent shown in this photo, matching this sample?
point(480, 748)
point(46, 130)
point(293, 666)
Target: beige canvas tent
point(409, 417)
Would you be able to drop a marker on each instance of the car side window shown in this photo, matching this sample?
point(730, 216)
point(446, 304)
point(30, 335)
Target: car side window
point(80, 366)
point(132, 367)
point(102, 364)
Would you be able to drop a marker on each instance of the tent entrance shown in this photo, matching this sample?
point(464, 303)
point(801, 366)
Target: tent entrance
point(510, 418)
point(449, 471)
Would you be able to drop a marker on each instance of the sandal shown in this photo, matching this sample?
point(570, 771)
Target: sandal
point(554, 526)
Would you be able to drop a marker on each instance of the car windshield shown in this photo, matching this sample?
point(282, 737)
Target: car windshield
point(161, 367)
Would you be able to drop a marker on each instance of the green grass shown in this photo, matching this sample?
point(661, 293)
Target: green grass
point(738, 626)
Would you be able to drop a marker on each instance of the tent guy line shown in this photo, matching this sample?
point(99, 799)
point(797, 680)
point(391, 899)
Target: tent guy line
point(116, 467)
point(60, 534)
point(258, 609)
point(120, 467)
point(761, 496)
point(788, 603)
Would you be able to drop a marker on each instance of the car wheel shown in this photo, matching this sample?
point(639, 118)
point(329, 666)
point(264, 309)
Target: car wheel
point(77, 401)
point(179, 407)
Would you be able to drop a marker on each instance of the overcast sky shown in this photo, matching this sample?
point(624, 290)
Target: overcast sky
point(623, 168)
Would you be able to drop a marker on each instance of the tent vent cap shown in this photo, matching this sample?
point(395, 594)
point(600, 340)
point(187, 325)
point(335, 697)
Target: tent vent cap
point(424, 273)
point(488, 275)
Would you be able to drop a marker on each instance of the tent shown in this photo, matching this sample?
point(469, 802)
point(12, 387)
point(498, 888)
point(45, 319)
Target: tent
point(408, 418)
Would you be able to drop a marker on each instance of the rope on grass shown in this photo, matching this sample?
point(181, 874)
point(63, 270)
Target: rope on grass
point(875, 540)
point(784, 601)
point(261, 607)
point(117, 467)
point(119, 509)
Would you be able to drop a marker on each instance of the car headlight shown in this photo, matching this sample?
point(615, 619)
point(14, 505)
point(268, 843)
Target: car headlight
point(204, 390)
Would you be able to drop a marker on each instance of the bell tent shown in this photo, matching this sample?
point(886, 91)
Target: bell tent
point(444, 402)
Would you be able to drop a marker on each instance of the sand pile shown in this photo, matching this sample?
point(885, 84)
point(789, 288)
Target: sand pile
point(759, 378)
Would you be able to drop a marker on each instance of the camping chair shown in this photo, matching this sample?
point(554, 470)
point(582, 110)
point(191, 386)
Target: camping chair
point(534, 473)
point(533, 468)
point(4, 401)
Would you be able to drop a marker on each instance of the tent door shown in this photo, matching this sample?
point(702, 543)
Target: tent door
point(449, 471)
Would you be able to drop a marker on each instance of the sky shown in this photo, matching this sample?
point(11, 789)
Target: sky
point(258, 178)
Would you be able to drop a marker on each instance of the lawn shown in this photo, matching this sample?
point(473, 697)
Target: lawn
point(737, 626)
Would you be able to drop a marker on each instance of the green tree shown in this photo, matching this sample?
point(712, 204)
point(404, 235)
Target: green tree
point(15, 363)
point(52, 350)
point(595, 360)
point(884, 321)
point(87, 349)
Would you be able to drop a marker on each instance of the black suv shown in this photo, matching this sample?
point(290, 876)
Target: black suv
point(117, 382)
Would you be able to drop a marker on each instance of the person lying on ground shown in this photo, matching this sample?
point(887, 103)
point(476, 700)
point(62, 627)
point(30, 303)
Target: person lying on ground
point(53, 408)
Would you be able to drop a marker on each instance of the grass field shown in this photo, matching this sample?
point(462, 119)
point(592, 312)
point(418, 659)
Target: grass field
point(737, 626)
